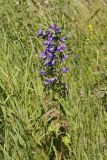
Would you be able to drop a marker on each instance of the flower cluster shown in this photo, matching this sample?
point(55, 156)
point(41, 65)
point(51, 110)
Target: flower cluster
point(53, 56)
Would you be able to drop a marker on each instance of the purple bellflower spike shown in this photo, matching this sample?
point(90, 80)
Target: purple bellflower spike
point(64, 69)
point(52, 57)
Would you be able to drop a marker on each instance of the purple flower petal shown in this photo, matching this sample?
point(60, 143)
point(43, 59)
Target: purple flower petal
point(52, 26)
point(51, 49)
point(61, 48)
point(64, 69)
point(50, 38)
point(43, 55)
point(50, 35)
point(48, 63)
point(49, 81)
point(65, 56)
point(57, 29)
point(50, 55)
point(40, 33)
point(41, 72)
point(48, 43)
point(62, 40)
point(53, 80)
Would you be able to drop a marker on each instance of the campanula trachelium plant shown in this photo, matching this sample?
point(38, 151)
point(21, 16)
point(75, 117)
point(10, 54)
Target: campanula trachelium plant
point(52, 68)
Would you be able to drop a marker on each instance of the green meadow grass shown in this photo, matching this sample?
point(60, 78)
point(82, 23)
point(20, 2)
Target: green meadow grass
point(84, 24)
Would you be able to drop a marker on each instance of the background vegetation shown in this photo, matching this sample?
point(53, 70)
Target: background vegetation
point(84, 23)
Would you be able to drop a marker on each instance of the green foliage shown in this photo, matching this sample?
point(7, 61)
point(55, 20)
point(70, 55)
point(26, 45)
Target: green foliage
point(21, 92)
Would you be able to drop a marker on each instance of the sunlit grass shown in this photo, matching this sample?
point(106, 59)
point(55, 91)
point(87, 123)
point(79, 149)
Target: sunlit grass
point(84, 24)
